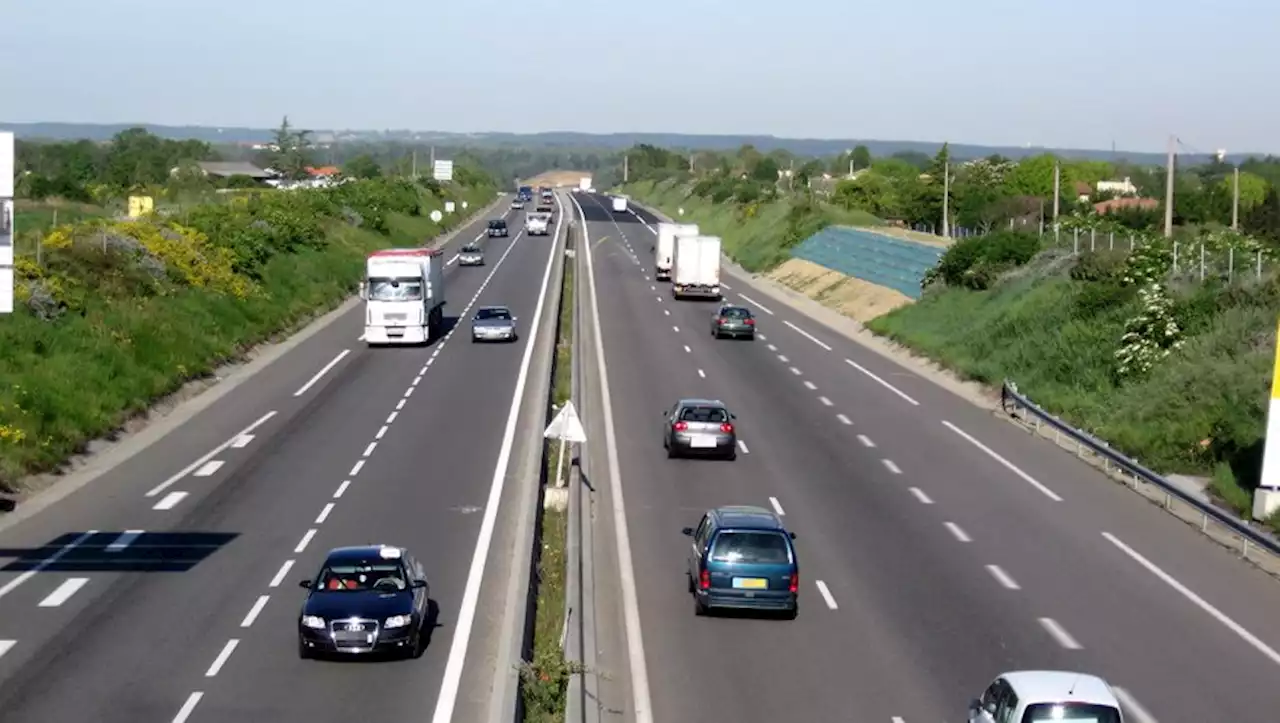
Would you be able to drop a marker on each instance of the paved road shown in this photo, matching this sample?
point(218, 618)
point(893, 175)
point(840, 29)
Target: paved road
point(195, 619)
point(939, 546)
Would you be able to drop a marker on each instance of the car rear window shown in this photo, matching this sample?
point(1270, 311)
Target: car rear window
point(497, 224)
point(714, 415)
point(766, 548)
point(1071, 713)
point(736, 313)
point(493, 314)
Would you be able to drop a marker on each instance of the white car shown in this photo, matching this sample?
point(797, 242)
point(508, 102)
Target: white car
point(1031, 696)
point(517, 204)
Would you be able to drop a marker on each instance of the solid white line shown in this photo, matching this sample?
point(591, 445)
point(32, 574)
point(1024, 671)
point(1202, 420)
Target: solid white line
point(826, 402)
point(242, 441)
point(369, 450)
point(452, 677)
point(125, 539)
point(1007, 464)
point(324, 513)
point(208, 468)
point(169, 501)
point(843, 419)
point(1003, 577)
point(1059, 634)
point(777, 506)
point(641, 703)
point(6, 646)
point(210, 455)
point(188, 708)
point(795, 371)
point(280, 575)
point(342, 488)
point(882, 382)
point(221, 660)
point(807, 335)
point(763, 308)
point(1196, 600)
point(381, 432)
point(702, 374)
point(355, 470)
point(45, 563)
point(63, 592)
point(255, 611)
point(325, 370)
point(959, 533)
point(826, 595)
point(866, 441)
point(306, 539)
point(810, 385)
point(920, 495)
point(687, 349)
point(743, 446)
point(1134, 708)
point(889, 465)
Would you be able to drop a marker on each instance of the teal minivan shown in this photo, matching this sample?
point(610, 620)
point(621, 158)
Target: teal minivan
point(743, 558)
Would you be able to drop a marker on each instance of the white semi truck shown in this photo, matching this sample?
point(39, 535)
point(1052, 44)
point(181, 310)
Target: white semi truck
point(536, 224)
point(619, 204)
point(584, 184)
point(695, 267)
point(665, 248)
point(403, 294)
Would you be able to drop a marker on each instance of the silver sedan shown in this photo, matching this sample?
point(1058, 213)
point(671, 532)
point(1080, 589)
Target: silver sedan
point(493, 323)
point(700, 427)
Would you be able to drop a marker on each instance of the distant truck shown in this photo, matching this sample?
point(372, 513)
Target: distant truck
point(584, 183)
point(526, 193)
point(536, 224)
point(619, 204)
point(665, 248)
point(695, 267)
point(403, 294)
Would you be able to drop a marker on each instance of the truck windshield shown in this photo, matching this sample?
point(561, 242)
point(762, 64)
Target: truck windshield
point(408, 289)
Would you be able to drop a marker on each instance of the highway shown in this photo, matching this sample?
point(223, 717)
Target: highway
point(167, 590)
point(938, 546)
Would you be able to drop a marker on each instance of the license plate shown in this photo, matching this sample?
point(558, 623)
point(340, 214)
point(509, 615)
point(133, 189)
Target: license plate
point(750, 583)
point(702, 442)
point(395, 331)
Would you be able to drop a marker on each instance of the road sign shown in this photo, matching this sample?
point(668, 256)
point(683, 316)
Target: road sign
point(449, 207)
point(436, 216)
point(566, 426)
point(442, 171)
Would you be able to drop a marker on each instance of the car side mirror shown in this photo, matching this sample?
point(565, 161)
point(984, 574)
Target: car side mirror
point(418, 584)
point(975, 705)
point(515, 318)
point(793, 535)
point(304, 583)
point(364, 291)
point(733, 416)
point(687, 531)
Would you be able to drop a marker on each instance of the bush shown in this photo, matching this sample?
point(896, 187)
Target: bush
point(977, 261)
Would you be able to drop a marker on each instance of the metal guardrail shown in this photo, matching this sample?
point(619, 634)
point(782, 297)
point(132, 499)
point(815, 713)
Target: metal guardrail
point(1245, 534)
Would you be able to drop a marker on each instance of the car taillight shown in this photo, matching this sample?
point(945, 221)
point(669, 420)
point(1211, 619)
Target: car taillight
point(722, 322)
point(751, 322)
point(726, 428)
point(680, 426)
point(795, 582)
point(704, 580)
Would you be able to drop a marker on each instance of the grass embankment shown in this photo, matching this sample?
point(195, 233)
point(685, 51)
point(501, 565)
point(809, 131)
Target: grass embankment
point(116, 315)
point(758, 235)
point(546, 678)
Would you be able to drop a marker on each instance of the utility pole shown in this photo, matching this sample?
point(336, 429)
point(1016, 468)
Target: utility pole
point(1168, 189)
point(1057, 191)
point(946, 197)
point(851, 168)
point(1235, 200)
point(791, 176)
point(433, 159)
point(690, 163)
point(414, 167)
point(626, 169)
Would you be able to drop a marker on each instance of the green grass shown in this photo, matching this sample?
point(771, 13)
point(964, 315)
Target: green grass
point(546, 678)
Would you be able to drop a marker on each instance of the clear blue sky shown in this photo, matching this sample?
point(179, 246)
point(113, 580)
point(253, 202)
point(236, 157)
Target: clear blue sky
point(1082, 73)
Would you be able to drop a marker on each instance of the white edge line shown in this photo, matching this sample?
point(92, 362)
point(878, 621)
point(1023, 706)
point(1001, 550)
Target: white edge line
point(209, 455)
point(882, 382)
point(323, 370)
point(807, 335)
point(1006, 463)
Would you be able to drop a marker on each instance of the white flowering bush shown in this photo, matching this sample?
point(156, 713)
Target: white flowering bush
point(1151, 335)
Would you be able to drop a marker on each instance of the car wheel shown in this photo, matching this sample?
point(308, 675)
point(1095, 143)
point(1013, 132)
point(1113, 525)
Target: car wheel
point(671, 452)
point(689, 580)
point(733, 454)
point(698, 608)
point(792, 612)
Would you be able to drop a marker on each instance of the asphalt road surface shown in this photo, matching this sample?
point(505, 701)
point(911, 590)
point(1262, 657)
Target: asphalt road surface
point(938, 546)
point(167, 589)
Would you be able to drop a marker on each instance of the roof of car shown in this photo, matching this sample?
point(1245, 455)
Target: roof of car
point(363, 552)
point(1059, 686)
point(497, 222)
point(697, 402)
point(492, 308)
point(747, 516)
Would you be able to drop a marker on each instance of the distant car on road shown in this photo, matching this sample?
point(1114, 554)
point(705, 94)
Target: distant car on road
point(547, 209)
point(470, 255)
point(1031, 696)
point(517, 204)
point(493, 323)
point(497, 227)
point(734, 322)
point(370, 599)
point(742, 557)
point(699, 427)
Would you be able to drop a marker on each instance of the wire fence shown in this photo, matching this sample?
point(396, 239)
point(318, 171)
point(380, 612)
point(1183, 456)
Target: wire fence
point(1196, 260)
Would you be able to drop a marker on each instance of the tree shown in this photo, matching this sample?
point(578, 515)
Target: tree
point(1253, 189)
point(362, 166)
point(1264, 219)
point(1034, 177)
point(765, 170)
point(291, 152)
point(860, 157)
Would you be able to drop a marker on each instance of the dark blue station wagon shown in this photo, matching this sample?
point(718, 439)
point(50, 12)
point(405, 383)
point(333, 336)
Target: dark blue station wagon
point(742, 557)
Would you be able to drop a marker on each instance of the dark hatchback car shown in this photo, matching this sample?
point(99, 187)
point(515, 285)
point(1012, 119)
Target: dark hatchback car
point(743, 558)
point(734, 322)
point(373, 599)
point(498, 227)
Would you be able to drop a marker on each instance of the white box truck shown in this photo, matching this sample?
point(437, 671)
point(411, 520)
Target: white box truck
point(403, 294)
point(619, 204)
point(695, 267)
point(536, 224)
point(584, 183)
point(665, 247)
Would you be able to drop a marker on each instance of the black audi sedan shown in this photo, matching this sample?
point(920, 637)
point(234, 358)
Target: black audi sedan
point(372, 599)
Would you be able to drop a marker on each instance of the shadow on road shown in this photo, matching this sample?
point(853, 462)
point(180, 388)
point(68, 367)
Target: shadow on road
point(118, 552)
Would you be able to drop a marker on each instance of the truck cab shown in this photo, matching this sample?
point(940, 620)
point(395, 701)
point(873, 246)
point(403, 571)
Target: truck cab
point(536, 224)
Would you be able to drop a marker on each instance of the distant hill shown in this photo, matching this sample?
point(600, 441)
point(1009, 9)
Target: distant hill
point(570, 139)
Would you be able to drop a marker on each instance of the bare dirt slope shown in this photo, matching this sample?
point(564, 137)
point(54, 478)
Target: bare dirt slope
point(852, 297)
point(554, 178)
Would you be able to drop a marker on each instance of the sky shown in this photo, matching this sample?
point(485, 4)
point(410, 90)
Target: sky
point(1081, 74)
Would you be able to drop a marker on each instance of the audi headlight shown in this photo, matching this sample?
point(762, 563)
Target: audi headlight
point(398, 621)
point(313, 621)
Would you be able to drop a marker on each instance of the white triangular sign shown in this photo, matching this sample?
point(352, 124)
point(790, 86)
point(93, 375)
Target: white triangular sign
point(566, 426)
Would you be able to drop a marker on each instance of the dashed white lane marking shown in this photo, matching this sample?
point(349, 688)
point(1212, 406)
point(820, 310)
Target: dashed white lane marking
point(222, 658)
point(771, 346)
point(392, 417)
point(743, 446)
point(409, 392)
point(897, 719)
point(1059, 634)
point(652, 287)
point(807, 335)
point(762, 337)
point(920, 495)
point(826, 402)
point(659, 298)
point(324, 513)
point(324, 370)
point(777, 506)
point(1006, 463)
point(46, 563)
point(687, 350)
point(169, 501)
point(208, 468)
point(400, 404)
point(866, 441)
point(795, 371)
point(810, 385)
point(844, 420)
point(416, 381)
point(762, 307)
point(6, 646)
point(63, 592)
point(1132, 706)
point(1003, 578)
point(188, 707)
point(208, 456)
point(726, 287)
point(242, 441)
point(381, 432)
point(783, 359)
point(676, 329)
point(882, 382)
point(342, 488)
point(125, 539)
point(702, 374)
point(255, 611)
point(1196, 600)
point(369, 450)
point(826, 595)
point(355, 469)
point(306, 540)
point(889, 465)
point(958, 532)
point(667, 312)
point(281, 573)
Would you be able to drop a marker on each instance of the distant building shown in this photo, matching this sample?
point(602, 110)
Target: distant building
point(1083, 190)
point(227, 169)
point(1120, 188)
point(1119, 204)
